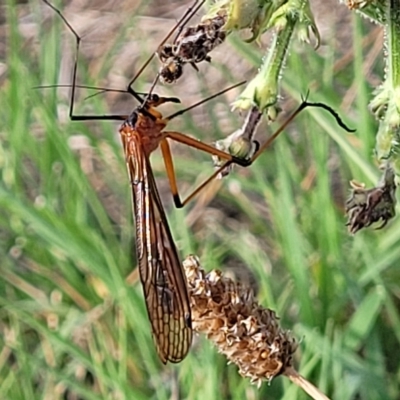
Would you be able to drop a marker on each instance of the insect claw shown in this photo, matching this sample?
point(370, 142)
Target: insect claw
point(194, 66)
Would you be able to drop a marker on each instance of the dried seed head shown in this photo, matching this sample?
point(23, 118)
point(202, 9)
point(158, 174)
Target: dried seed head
point(366, 206)
point(246, 333)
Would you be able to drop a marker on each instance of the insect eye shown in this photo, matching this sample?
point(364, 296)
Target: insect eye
point(132, 119)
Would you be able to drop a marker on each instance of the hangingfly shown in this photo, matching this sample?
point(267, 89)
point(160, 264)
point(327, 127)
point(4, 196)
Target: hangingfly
point(161, 273)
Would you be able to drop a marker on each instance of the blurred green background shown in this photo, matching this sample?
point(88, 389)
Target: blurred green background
point(71, 327)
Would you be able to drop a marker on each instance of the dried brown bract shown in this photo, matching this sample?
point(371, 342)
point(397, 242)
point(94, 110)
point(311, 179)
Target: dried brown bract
point(366, 206)
point(245, 332)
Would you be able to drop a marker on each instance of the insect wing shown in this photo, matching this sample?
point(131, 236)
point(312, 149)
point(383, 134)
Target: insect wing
point(161, 272)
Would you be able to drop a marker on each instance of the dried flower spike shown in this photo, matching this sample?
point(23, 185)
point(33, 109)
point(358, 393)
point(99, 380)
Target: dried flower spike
point(366, 206)
point(245, 332)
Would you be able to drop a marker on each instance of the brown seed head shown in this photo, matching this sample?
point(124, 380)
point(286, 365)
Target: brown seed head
point(228, 314)
point(366, 206)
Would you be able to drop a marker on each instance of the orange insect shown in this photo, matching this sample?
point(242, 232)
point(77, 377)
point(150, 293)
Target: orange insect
point(161, 272)
point(163, 280)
